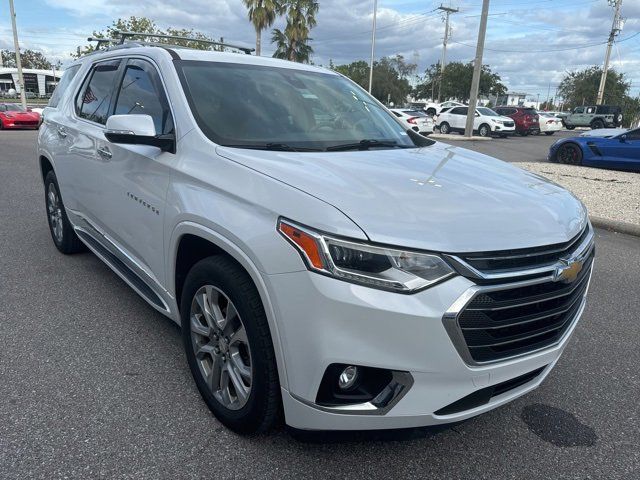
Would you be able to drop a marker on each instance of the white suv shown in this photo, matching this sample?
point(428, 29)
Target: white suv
point(486, 122)
point(323, 262)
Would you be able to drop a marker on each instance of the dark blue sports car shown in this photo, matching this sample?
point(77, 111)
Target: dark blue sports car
point(620, 151)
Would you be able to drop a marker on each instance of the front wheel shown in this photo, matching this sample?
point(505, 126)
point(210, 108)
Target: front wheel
point(569, 127)
point(569, 153)
point(444, 128)
point(549, 133)
point(525, 133)
point(228, 345)
point(484, 130)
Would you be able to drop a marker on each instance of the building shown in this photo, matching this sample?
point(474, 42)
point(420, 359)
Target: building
point(37, 83)
point(515, 99)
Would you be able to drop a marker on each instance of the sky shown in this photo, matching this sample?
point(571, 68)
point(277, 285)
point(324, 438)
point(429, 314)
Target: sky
point(531, 44)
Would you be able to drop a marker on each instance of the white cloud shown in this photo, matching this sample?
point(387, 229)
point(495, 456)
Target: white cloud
point(343, 33)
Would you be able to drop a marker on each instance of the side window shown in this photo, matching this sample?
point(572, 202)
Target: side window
point(94, 99)
point(141, 92)
point(397, 114)
point(458, 111)
point(579, 110)
point(63, 84)
point(590, 110)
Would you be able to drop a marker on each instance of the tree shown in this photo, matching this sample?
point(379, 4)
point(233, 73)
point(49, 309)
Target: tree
point(262, 14)
point(29, 59)
point(390, 77)
point(456, 82)
point(146, 25)
point(293, 43)
point(581, 87)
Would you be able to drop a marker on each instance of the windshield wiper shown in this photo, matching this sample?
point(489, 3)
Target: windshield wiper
point(282, 147)
point(366, 144)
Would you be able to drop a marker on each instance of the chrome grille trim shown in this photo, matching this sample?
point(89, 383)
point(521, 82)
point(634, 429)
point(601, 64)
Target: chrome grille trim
point(580, 252)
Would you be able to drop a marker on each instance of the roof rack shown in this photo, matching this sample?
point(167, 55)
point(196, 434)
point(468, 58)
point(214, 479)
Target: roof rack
point(125, 35)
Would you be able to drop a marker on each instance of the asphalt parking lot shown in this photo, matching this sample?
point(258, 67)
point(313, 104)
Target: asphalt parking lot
point(532, 148)
point(94, 384)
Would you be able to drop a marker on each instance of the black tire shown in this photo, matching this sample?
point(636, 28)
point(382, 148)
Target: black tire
point(484, 130)
point(549, 133)
point(569, 153)
point(431, 111)
point(525, 133)
point(445, 128)
point(1, 125)
point(570, 127)
point(596, 124)
point(504, 136)
point(66, 241)
point(262, 408)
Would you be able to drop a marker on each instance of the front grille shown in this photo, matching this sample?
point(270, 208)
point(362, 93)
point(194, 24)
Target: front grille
point(523, 313)
point(509, 124)
point(512, 321)
point(519, 259)
point(30, 123)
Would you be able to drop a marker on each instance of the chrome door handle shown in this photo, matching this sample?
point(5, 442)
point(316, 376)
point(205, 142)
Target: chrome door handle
point(104, 152)
point(62, 132)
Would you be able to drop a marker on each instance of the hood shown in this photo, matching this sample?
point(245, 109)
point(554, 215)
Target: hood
point(439, 198)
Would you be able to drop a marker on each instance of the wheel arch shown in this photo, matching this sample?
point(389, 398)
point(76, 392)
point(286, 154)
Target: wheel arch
point(46, 166)
point(570, 142)
point(191, 242)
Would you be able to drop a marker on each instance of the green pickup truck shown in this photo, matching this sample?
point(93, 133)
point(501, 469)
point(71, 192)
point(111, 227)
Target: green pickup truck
point(594, 116)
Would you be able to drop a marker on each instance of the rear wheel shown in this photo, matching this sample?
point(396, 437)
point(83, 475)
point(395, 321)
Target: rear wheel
point(444, 128)
point(569, 127)
point(228, 345)
point(549, 133)
point(596, 124)
point(569, 153)
point(484, 130)
point(62, 233)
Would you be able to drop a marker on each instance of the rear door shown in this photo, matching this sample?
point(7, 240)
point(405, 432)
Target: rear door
point(458, 117)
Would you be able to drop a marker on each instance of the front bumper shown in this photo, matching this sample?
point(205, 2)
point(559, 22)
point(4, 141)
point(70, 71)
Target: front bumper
point(322, 321)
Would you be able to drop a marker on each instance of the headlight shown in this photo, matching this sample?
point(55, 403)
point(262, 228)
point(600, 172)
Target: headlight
point(373, 266)
point(496, 121)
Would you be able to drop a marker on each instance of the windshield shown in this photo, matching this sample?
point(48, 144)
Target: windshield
point(488, 112)
point(255, 106)
point(15, 108)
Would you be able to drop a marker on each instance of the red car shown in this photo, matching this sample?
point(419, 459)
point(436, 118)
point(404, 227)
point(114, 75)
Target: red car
point(526, 118)
point(13, 115)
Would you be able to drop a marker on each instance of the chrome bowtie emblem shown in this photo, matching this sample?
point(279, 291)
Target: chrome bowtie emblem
point(568, 270)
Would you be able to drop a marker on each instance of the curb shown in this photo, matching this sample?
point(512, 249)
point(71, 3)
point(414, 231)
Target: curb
point(460, 138)
point(615, 226)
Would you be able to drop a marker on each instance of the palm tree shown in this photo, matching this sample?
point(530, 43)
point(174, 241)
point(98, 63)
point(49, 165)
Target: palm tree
point(292, 43)
point(262, 14)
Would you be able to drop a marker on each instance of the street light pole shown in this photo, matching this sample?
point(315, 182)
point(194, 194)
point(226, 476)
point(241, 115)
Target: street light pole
point(477, 70)
point(373, 43)
point(615, 28)
point(16, 45)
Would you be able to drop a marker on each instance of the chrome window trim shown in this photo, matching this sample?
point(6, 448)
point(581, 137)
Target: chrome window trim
point(451, 325)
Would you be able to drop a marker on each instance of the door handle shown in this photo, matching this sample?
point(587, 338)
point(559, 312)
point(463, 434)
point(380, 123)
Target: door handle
point(62, 132)
point(104, 152)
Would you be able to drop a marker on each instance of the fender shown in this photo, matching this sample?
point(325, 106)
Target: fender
point(188, 227)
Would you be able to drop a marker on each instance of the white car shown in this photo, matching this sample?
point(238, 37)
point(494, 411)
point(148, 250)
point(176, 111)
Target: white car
point(549, 124)
point(434, 109)
point(486, 123)
point(322, 261)
point(416, 120)
point(604, 132)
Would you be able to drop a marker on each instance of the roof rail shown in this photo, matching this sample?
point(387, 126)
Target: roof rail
point(125, 35)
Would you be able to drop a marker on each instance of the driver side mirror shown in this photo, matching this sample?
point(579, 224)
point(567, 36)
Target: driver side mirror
point(135, 129)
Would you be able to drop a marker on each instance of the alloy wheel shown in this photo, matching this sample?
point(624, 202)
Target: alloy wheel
point(54, 210)
point(221, 347)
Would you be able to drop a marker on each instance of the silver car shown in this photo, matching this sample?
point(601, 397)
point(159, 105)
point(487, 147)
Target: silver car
point(323, 261)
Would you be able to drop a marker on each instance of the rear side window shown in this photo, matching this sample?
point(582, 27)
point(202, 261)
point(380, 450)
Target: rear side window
point(63, 84)
point(141, 92)
point(95, 96)
point(459, 111)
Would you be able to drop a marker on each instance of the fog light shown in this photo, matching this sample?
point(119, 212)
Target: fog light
point(348, 377)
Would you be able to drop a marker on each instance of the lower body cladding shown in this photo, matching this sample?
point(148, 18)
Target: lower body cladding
point(409, 365)
point(504, 131)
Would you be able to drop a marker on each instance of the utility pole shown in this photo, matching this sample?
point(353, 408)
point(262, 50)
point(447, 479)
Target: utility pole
point(373, 42)
point(615, 29)
point(447, 11)
point(16, 45)
point(477, 70)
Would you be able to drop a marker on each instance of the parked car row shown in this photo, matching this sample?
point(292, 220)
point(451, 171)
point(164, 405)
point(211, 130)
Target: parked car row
point(416, 120)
